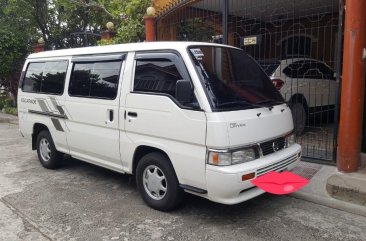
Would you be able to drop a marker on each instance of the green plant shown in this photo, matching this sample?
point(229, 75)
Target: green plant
point(11, 110)
point(5, 102)
point(106, 42)
point(8, 103)
point(2, 102)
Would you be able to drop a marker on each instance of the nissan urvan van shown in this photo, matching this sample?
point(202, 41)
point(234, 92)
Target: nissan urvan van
point(181, 116)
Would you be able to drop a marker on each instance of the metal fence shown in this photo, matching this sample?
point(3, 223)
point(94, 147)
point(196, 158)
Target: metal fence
point(298, 44)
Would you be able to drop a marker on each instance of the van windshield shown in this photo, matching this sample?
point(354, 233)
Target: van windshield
point(232, 79)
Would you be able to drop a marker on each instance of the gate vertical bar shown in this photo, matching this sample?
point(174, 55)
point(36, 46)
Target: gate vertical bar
point(339, 80)
point(225, 15)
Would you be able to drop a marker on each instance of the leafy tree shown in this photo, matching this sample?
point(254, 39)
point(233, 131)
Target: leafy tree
point(22, 22)
point(15, 39)
point(13, 50)
point(62, 24)
point(127, 16)
point(78, 19)
point(131, 27)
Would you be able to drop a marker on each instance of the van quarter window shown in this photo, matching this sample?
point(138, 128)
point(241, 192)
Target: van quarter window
point(46, 77)
point(98, 79)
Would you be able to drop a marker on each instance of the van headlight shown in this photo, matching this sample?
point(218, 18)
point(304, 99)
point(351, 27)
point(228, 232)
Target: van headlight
point(289, 140)
point(232, 157)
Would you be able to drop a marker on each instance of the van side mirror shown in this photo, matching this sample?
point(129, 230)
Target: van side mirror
point(183, 91)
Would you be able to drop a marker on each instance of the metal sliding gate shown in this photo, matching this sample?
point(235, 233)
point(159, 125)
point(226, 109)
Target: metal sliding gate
point(297, 42)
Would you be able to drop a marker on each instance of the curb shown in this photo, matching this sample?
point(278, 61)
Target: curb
point(348, 187)
point(332, 203)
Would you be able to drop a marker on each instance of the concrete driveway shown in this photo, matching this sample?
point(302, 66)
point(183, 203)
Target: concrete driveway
point(84, 202)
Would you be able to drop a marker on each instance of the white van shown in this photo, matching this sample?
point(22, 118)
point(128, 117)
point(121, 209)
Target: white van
point(181, 116)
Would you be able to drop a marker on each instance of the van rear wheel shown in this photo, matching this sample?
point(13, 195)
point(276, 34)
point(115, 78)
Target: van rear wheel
point(157, 182)
point(48, 156)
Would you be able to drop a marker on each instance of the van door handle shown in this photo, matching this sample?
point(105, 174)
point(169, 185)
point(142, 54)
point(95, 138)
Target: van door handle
point(132, 114)
point(110, 115)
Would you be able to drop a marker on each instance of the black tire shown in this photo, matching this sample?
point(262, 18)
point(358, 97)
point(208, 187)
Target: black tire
point(48, 156)
point(299, 118)
point(158, 166)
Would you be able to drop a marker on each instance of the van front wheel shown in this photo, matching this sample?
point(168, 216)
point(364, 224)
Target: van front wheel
point(157, 182)
point(49, 157)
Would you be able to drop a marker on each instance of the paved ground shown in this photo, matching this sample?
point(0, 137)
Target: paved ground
point(85, 202)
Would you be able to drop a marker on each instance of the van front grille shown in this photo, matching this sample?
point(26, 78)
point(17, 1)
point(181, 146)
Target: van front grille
point(278, 166)
point(271, 146)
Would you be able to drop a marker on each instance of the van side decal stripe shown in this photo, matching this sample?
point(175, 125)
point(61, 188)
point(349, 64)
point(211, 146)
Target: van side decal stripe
point(54, 102)
point(46, 113)
point(43, 105)
point(57, 124)
point(57, 106)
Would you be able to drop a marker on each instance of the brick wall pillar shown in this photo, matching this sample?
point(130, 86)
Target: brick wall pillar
point(353, 85)
point(150, 28)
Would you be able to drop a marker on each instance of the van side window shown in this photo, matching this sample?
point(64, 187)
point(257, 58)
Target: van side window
point(33, 78)
point(98, 79)
point(156, 75)
point(46, 77)
point(54, 77)
point(159, 76)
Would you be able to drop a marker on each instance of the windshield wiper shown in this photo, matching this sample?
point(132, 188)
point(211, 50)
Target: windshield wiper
point(267, 101)
point(270, 101)
point(240, 103)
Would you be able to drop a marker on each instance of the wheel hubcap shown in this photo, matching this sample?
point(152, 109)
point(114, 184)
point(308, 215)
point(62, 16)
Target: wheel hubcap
point(44, 149)
point(155, 183)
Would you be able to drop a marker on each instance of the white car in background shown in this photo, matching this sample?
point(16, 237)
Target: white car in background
point(308, 85)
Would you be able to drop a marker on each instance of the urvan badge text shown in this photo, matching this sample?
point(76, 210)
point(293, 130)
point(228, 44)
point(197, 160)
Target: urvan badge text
point(237, 125)
point(26, 100)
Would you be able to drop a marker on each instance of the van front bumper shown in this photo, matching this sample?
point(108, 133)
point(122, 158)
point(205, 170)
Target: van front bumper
point(225, 185)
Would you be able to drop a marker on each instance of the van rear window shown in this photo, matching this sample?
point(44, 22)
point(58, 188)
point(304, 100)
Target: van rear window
point(45, 77)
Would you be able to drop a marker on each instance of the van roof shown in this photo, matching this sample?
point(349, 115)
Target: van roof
point(117, 48)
